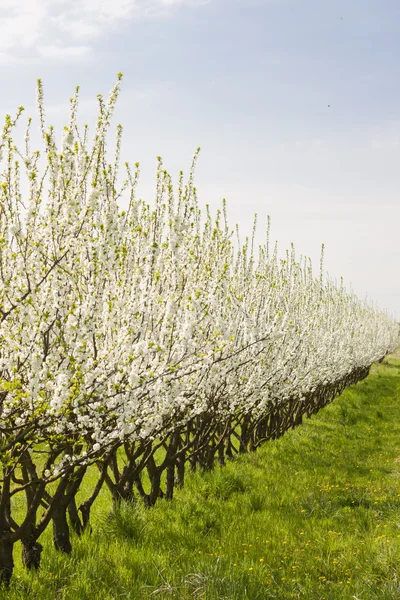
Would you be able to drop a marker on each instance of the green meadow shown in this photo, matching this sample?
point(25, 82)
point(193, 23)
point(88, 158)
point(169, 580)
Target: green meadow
point(314, 515)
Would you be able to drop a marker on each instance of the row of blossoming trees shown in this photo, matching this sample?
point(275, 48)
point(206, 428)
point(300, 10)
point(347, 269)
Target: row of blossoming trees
point(137, 340)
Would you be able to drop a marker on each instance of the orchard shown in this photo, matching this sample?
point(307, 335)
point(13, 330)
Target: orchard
point(143, 340)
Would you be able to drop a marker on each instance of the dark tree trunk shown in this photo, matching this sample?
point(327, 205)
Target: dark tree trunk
point(170, 463)
point(229, 447)
point(127, 493)
point(31, 552)
point(61, 530)
point(244, 435)
point(140, 488)
point(155, 481)
point(180, 470)
point(85, 511)
point(169, 490)
point(75, 518)
point(6, 558)
point(221, 454)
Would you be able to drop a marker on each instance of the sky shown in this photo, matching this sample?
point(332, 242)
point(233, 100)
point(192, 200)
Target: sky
point(294, 103)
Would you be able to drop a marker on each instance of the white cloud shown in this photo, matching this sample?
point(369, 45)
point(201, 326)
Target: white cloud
point(6, 58)
point(64, 29)
point(64, 52)
point(92, 18)
point(20, 22)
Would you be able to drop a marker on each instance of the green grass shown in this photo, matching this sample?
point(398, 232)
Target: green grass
point(314, 515)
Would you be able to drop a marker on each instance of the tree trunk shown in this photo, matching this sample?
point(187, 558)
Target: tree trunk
point(85, 511)
point(229, 447)
point(244, 435)
point(169, 492)
point(180, 470)
point(221, 454)
point(31, 551)
point(155, 482)
point(6, 558)
point(75, 518)
point(61, 530)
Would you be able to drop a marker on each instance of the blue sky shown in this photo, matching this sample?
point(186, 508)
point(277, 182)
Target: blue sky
point(250, 82)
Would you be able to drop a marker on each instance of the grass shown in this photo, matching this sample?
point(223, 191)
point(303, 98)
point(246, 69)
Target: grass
point(312, 516)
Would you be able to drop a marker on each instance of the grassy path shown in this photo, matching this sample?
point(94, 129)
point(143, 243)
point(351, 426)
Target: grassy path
point(312, 516)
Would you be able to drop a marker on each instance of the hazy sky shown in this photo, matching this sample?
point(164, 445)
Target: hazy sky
point(295, 104)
